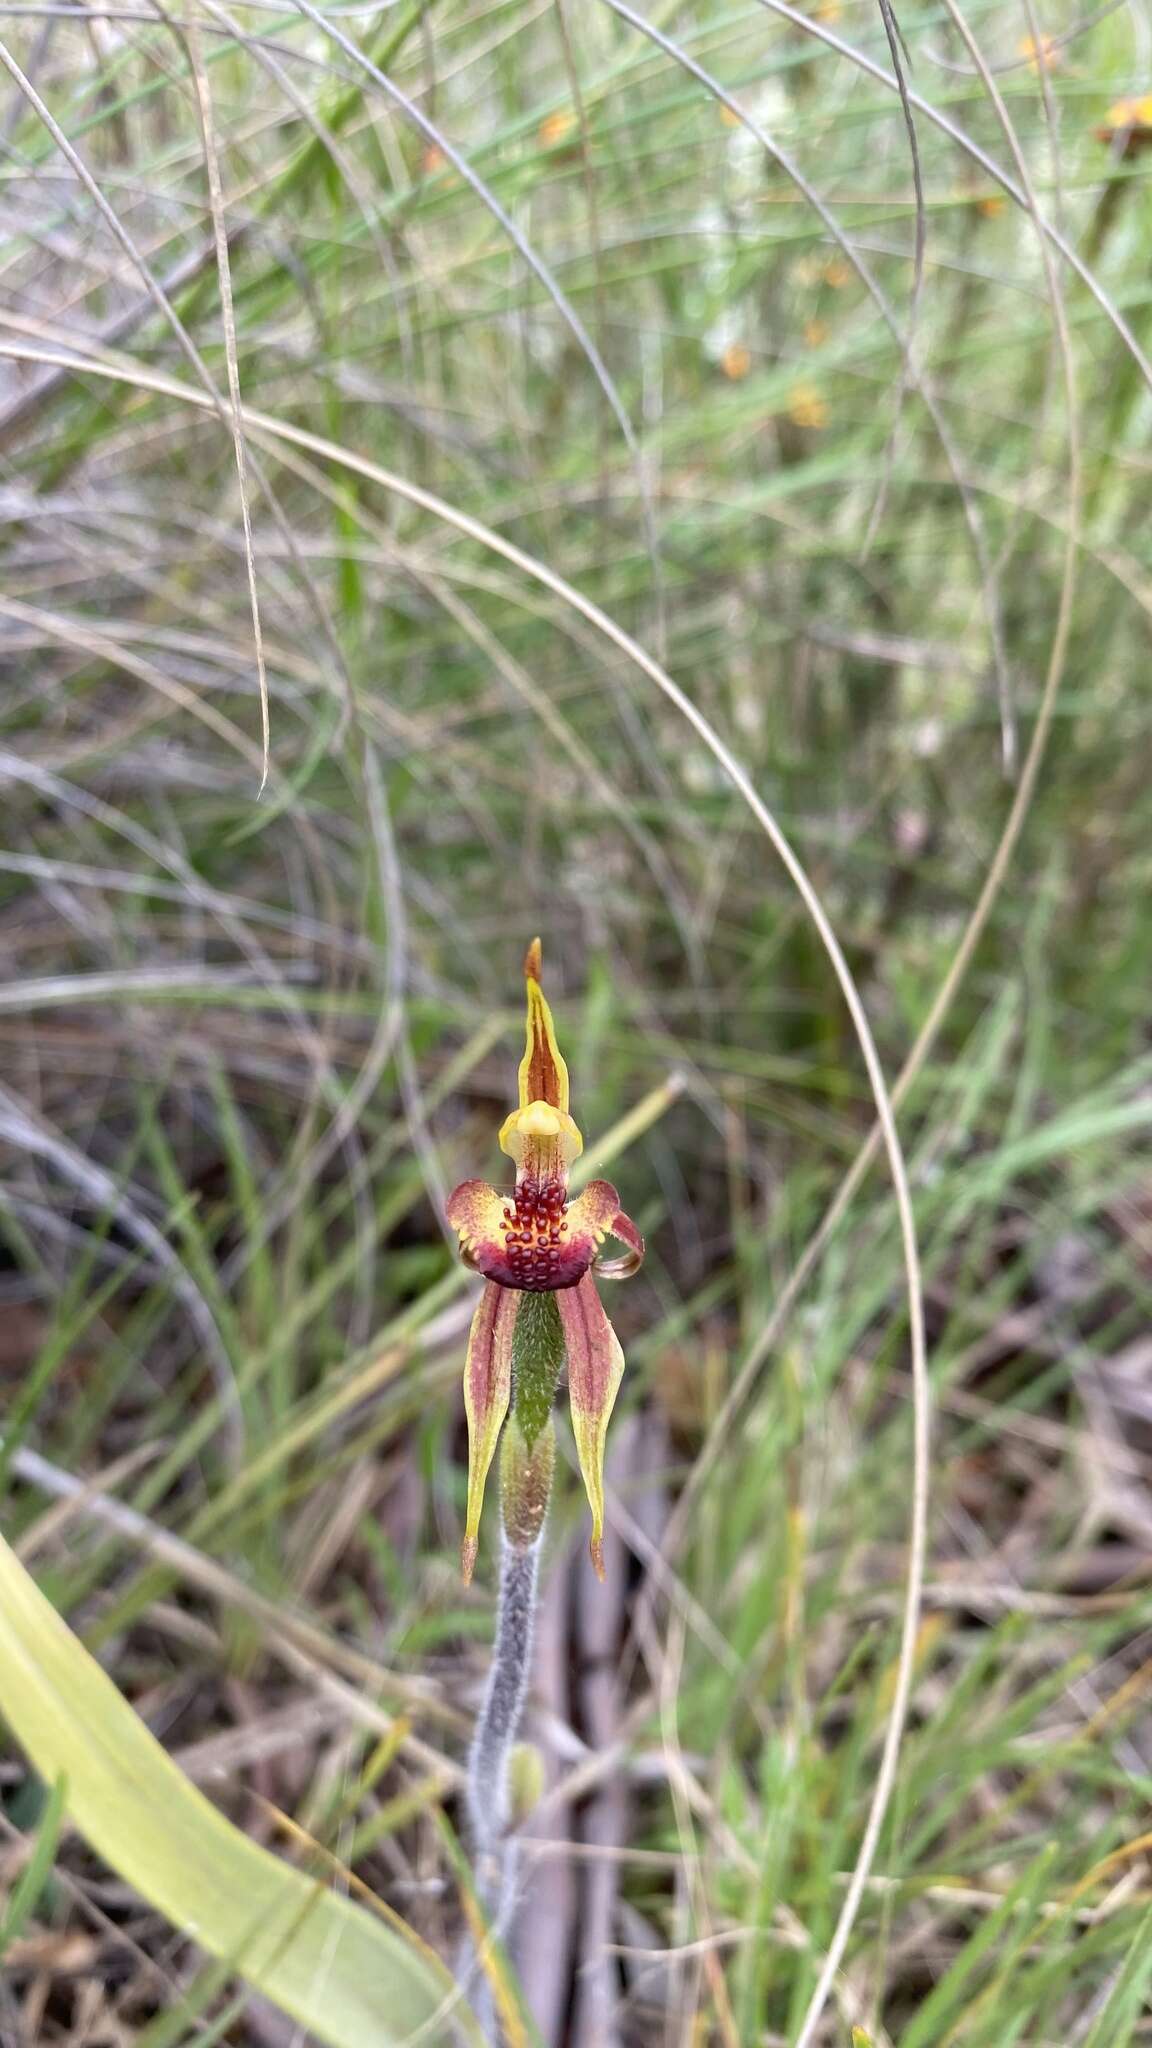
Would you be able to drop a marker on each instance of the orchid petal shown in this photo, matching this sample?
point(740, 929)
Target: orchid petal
point(479, 1215)
point(595, 1369)
point(487, 1392)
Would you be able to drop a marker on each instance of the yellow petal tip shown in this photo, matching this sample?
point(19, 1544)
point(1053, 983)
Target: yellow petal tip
point(533, 961)
point(596, 1551)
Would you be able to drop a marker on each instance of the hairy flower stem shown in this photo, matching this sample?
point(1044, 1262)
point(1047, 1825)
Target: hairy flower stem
point(494, 1850)
point(499, 1721)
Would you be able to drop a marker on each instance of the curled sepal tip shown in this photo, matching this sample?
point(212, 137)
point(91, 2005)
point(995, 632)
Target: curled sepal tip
point(487, 1392)
point(595, 1369)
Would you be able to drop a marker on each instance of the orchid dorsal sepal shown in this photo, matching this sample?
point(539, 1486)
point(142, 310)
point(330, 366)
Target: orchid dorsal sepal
point(543, 1076)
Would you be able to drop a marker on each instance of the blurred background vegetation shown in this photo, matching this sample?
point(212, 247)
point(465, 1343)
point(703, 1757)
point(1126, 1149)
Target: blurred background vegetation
point(523, 313)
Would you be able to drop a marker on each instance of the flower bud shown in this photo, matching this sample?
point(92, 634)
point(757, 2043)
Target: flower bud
point(525, 1782)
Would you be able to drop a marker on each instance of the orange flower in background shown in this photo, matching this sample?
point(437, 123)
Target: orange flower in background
point(556, 128)
point(532, 1239)
point(736, 361)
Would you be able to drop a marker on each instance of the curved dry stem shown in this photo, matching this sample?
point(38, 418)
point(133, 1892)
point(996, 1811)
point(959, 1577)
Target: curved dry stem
point(1054, 43)
point(303, 1170)
point(524, 249)
point(910, 368)
point(232, 358)
point(1015, 192)
point(27, 1133)
point(157, 294)
point(267, 55)
point(87, 638)
point(1056, 660)
point(57, 790)
point(892, 32)
point(745, 1383)
point(230, 415)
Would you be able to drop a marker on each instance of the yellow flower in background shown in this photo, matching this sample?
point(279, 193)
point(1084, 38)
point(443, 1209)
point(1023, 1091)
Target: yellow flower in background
point(806, 407)
point(532, 1239)
point(1131, 113)
point(1045, 51)
point(815, 333)
point(1128, 123)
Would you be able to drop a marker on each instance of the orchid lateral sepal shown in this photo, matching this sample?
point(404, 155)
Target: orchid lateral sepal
point(595, 1370)
point(487, 1393)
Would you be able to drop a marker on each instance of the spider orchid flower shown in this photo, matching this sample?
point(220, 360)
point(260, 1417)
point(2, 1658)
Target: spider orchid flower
point(531, 1239)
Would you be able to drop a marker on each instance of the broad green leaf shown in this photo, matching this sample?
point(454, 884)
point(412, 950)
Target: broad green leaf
point(351, 1979)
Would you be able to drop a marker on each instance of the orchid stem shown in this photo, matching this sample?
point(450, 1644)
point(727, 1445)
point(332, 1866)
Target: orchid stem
point(504, 1695)
point(494, 1849)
